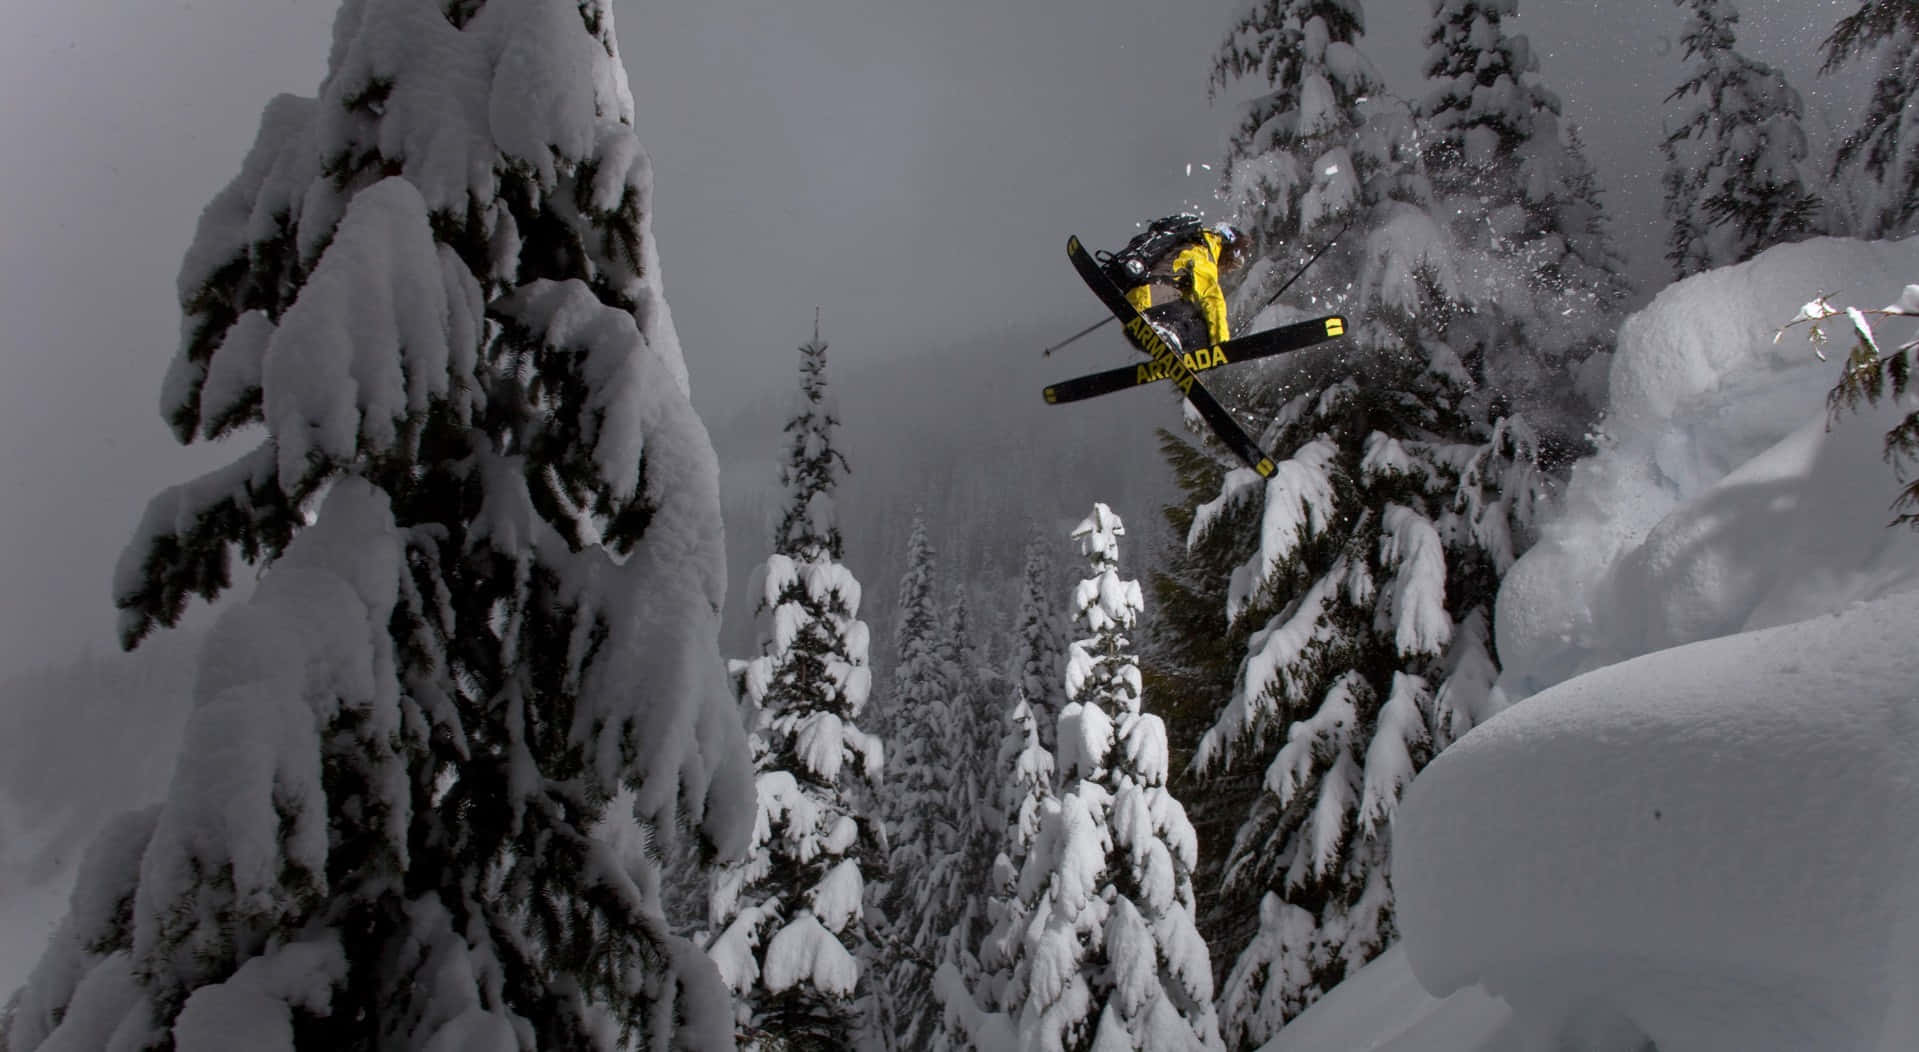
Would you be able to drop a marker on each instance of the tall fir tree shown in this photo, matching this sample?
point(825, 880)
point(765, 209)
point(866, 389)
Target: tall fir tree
point(1333, 622)
point(428, 308)
point(1114, 958)
point(1734, 163)
point(1885, 144)
point(791, 918)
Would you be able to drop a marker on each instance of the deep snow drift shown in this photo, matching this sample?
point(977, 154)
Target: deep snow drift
point(1714, 843)
point(1710, 842)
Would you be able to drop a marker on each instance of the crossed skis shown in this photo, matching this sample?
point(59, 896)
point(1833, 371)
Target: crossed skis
point(1169, 365)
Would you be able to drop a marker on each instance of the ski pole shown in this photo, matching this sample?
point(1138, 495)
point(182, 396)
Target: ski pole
point(1047, 353)
point(1301, 272)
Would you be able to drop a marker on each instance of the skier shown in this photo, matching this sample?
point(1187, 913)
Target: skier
point(1171, 274)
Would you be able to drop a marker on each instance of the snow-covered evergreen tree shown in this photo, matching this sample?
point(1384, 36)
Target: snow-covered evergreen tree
point(1039, 648)
point(1734, 181)
point(925, 895)
point(1113, 957)
point(1458, 320)
point(1885, 144)
point(978, 690)
point(1333, 620)
point(1293, 174)
point(1361, 604)
point(791, 918)
point(978, 1009)
point(428, 312)
point(1586, 226)
point(1025, 768)
point(1535, 288)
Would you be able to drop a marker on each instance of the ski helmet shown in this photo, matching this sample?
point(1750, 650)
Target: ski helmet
point(1233, 245)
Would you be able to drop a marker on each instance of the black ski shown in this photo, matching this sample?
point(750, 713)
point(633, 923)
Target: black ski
point(1232, 352)
point(1144, 337)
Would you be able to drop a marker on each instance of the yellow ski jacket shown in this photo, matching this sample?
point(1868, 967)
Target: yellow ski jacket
point(1193, 274)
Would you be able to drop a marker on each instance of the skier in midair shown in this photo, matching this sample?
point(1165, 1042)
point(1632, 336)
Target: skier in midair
point(1171, 274)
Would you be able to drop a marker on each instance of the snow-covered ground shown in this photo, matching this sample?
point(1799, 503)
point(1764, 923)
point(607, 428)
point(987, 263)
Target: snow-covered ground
point(1699, 829)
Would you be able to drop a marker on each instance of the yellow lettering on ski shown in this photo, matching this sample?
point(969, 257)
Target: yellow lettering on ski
point(1335, 326)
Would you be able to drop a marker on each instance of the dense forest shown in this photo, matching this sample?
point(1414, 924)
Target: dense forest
point(533, 716)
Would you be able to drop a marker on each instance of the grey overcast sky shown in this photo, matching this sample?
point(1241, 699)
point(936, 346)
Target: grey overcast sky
point(910, 166)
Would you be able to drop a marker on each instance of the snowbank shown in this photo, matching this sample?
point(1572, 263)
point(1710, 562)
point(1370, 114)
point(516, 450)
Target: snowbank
point(1718, 502)
point(1713, 845)
point(1382, 1008)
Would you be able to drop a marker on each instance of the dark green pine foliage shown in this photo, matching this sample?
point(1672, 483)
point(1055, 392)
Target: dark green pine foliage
point(1885, 144)
point(793, 939)
point(1733, 180)
point(1873, 373)
point(808, 529)
point(489, 524)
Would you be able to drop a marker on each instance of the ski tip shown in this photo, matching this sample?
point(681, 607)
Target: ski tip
point(1266, 467)
point(1335, 326)
point(1072, 243)
point(1052, 396)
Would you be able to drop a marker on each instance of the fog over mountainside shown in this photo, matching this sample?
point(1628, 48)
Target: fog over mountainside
point(962, 436)
point(80, 742)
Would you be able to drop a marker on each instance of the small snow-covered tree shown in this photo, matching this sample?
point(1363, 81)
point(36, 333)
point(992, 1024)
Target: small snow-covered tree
point(1039, 648)
point(1734, 181)
point(790, 918)
point(978, 690)
point(1114, 958)
point(1885, 145)
point(978, 1009)
point(428, 312)
point(924, 896)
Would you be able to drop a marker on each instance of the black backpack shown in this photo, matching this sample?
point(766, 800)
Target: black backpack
point(1129, 266)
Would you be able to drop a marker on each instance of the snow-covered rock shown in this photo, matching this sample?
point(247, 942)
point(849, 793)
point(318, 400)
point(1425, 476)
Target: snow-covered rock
point(1719, 501)
point(1713, 846)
